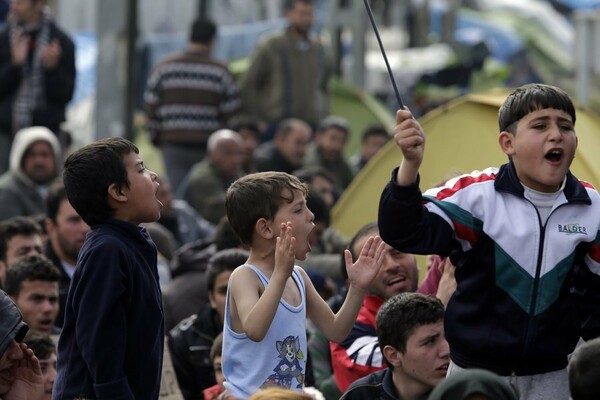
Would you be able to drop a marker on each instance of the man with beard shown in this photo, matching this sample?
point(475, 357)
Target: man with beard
point(66, 233)
point(359, 354)
point(289, 72)
point(34, 162)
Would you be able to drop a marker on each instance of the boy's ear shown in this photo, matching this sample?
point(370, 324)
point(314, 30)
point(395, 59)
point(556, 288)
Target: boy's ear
point(115, 193)
point(264, 228)
point(506, 140)
point(392, 355)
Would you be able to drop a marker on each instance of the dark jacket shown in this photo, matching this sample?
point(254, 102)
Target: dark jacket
point(190, 342)
point(375, 386)
point(526, 290)
point(60, 83)
point(187, 292)
point(267, 157)
point(111, 344)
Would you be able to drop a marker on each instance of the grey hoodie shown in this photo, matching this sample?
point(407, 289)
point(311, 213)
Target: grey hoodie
point(19, 195)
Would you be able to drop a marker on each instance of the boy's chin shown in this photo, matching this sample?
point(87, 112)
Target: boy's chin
point(301, 257)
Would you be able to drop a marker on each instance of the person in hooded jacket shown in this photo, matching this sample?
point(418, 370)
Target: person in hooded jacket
point(35, 159)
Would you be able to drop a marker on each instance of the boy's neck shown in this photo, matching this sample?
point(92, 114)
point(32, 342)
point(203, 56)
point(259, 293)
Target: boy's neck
point(263, 259)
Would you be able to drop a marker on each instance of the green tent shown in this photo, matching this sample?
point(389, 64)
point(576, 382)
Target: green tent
point(462, 136)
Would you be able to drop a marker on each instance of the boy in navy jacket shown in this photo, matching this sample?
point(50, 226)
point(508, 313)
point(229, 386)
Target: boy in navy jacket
point(111, 344)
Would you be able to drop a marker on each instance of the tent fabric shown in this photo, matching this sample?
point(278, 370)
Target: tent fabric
point(461, 136)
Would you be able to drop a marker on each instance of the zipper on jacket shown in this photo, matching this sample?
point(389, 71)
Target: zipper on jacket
point(536, 282)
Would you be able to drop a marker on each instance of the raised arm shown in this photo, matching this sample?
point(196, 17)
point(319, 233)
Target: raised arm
point(409, 136)
point(256, 312)
point(360, 274)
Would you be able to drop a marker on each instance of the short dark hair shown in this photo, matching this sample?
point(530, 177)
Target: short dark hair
point(224, 260)
point(203, 31)
point(56, 194)
point(9, 228)
point(216, 350)
point(90, 171)
point(290, 4)
point(374, 130)
point(42, 345)
point(335, 122)
point(245, 122)
point(310, 172)
point(225, 237)
point(400, 315)
point(31, 268)
point(531, 97)
point(285, 127)
point(367, 230)
point(317, 205)
point(584, 371)
point(256, 196)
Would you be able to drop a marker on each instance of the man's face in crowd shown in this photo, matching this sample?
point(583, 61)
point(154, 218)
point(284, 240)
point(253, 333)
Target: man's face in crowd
point(293, 145)
point(426, 358)
point(398, 273)
point(219, 293)
point(25, 12)
point(38, 303)
point(67, 232)
point(48, 366)
point(301, 17)
point(19, 247)
point(38, 162)
point(8, 361)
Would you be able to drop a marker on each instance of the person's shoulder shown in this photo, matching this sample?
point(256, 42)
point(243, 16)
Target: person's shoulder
point(59, 33)
point(368, 387)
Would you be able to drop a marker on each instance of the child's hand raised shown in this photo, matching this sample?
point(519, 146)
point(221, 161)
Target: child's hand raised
point(362, 272)
point(409, 136)
point(285, 250)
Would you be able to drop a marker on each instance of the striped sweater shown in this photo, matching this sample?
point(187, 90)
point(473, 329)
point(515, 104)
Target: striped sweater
point(189, 96)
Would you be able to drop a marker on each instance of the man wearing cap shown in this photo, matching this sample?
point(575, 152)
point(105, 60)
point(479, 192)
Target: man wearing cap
point(20, 373)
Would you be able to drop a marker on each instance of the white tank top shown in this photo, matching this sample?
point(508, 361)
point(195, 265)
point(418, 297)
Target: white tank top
point(278, 359)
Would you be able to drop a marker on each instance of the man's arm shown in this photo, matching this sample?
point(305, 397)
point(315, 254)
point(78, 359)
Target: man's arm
point(335, 327)
point(10, 74)
point(60, 78)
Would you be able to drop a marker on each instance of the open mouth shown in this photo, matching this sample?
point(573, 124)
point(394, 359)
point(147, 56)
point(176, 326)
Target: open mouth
point(443, 370)
point(554, 155)
point(45, 325)
point(397, 280)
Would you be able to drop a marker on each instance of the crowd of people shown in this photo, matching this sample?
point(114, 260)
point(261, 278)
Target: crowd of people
point(229, 263)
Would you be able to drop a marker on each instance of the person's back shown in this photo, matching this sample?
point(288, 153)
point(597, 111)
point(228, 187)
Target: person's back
point(521, 237)
point(188, 96)
point(269, 299)
point(111, 344)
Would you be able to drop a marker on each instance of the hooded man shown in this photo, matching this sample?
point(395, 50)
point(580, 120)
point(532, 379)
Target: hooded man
point(34, 162)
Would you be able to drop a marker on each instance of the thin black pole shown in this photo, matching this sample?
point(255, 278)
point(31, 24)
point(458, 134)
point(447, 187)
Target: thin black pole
point(387, 64)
